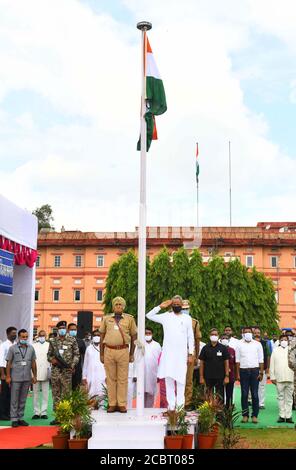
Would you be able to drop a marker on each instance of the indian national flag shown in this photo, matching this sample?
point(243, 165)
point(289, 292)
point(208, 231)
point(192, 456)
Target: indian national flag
point(155, 94)
point(197, 164)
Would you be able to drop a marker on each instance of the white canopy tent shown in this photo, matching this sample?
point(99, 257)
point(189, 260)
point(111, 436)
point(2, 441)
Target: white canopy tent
point(18, 228)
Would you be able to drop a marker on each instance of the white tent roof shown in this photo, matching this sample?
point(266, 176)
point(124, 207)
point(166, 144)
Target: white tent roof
point(17, 224)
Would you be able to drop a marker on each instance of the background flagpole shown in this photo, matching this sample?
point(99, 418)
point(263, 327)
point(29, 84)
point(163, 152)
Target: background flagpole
point(143, 26)
point(230, 195)
point(197, 188)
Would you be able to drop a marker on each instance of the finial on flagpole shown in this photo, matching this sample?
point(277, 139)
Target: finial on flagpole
point(144, 25)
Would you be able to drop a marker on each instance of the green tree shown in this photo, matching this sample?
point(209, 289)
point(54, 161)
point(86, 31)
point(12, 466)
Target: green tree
point(179, 281)
point(44, 216)
point(195, 284)
point(239, 313)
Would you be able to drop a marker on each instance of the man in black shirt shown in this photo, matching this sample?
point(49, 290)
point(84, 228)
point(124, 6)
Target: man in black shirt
point(214, 365)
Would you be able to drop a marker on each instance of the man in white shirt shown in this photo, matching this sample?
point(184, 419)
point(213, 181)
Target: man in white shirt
point(5, 391)
point(250, 368)
point(43, 370)
point(93, 372)
point(283, 377)
point(178, 348)
point(151, 358)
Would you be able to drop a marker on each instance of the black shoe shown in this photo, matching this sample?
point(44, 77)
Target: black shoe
point(289, 420)
point(262, 407)
point(36, 417)
point(189, 408)
point(4, 418)
point(54, 423)
point(249, 403)
point(281, 420)
point(21, 422)
point(44, 417)
point(14, 424)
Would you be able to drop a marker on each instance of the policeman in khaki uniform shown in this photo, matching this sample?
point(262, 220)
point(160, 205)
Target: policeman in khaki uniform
point(190, 367)
point(63, 354)
point(118, 333)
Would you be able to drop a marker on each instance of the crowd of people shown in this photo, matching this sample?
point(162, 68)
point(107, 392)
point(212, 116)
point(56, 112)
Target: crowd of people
point(107, 360)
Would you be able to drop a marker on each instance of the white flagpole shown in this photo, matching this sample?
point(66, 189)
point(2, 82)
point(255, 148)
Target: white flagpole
point(143, 26)
point(230, 195)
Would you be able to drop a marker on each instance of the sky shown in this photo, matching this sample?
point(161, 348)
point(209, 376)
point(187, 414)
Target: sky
point(70, 91)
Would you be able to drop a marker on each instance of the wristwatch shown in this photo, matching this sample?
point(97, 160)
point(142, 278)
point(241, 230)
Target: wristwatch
point(226, 375)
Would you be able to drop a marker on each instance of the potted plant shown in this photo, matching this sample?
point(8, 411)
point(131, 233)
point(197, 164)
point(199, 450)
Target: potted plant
point(227, 417)
point(81, 408)
point(64, 416)
point(206, 421)
point(174, 440)
point(182, 429)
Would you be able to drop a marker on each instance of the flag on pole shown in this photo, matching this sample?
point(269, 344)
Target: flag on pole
point(197, 164)
point(155, 94)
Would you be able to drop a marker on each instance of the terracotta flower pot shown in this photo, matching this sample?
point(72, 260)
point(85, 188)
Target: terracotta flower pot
point(205, 441)
point(77, 443)
point(173, 442)
point(60, 441)
point(187, 441)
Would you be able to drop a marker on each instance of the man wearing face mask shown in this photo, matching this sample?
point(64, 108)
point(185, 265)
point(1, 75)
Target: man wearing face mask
point(177, 351)
point(77, 376)
point(43, 366)
point(93, 373)
point(225, 340)
point(4, 388)
point(292, 364)
point(21, 372)
point(63, 354)
point(190, 367)
point(214, 365)
point(266, 356)
point(283, 377)
point(151, 359)
point(250, 368)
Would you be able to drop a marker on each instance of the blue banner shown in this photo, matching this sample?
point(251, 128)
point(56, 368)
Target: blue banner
point(6, 272)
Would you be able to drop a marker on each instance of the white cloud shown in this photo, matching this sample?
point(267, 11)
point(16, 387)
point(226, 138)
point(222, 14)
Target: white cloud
point(88, 66)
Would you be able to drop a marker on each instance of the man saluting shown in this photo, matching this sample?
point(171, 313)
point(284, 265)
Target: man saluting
point(178, 348)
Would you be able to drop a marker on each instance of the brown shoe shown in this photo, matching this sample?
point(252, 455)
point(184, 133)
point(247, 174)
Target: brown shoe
point(254, 420)
point(111, 409)
point(122, 409)
point(245, 419)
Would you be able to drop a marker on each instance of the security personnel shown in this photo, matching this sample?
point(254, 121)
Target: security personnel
point(63, 354)
point(118, 333)
point(190, 367)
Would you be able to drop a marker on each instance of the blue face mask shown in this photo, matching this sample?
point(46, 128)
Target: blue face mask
point(62, 331)
point(23, 341)
point(186, 311)
point(41, 339)
point(73, 333)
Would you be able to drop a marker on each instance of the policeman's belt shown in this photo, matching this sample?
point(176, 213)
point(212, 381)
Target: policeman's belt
point(123, 346)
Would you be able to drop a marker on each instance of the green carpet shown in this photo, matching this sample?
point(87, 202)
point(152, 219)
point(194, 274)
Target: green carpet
point(267, 418)
point(29, 412)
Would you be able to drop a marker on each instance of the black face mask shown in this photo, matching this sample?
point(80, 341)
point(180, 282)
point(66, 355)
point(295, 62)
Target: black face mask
point(12, 338)
point(176, 308)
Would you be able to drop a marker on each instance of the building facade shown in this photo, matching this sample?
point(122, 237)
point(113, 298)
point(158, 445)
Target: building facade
point(72, 267)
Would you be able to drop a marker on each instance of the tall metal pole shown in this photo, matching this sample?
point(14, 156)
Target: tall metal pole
point(143, 26)
point(230, 202)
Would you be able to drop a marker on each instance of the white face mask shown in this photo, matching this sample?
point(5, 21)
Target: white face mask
point(225, 342)
point(41, 339)
point(248, 337)
point(284, 343)
point(96, 339)
point(214, 338)
point(148, 337)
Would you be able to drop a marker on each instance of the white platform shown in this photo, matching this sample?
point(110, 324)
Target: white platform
point(128, 431)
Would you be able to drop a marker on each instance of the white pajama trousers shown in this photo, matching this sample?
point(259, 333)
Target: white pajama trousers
point(261, 390)
point(174, 400)
point(44, 386)
point(285, 398)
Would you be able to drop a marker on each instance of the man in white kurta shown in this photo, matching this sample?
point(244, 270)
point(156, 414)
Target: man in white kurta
point(151, 359)
point(178, 348)
point(43, 372)
point(93, 373)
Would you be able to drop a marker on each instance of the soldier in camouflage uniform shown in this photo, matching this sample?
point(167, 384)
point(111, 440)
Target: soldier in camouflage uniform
point(292, 361)
point(64, 347)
